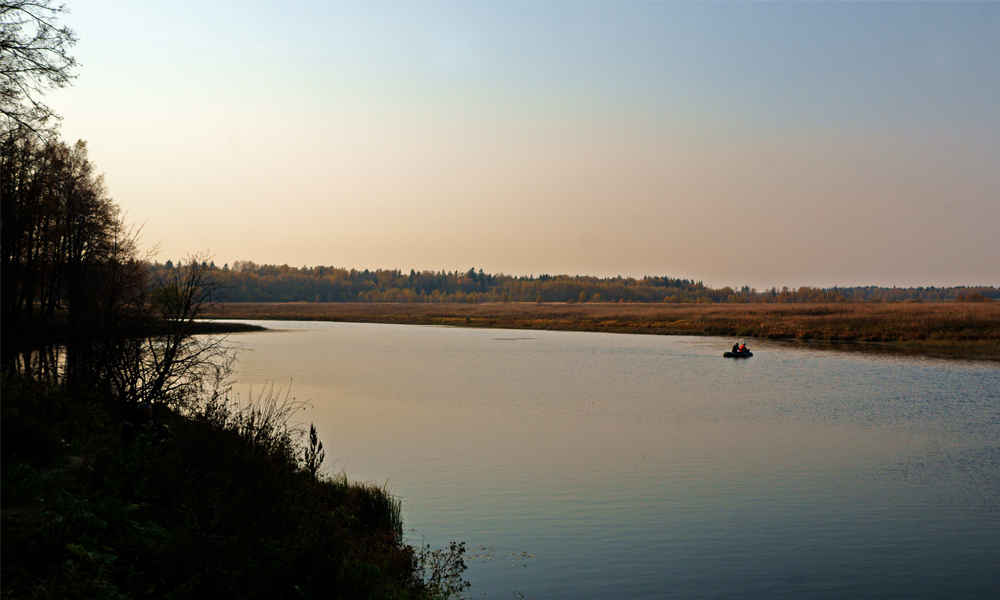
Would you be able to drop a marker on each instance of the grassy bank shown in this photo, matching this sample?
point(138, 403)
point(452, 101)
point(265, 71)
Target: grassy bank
point(942, 327)
point(227, 506)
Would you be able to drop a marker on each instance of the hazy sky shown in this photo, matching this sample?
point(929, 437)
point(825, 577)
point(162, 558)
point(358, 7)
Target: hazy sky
point(765, 144)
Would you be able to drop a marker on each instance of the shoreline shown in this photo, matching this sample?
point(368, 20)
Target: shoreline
point(963, 330)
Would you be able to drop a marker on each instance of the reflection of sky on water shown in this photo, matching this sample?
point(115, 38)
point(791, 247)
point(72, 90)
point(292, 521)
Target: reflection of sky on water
point(645, 467)
point(967, 480)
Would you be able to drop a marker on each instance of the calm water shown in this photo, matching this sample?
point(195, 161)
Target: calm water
point(620, 466)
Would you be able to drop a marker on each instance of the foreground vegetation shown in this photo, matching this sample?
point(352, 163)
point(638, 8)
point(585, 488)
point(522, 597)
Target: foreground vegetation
point(232, 504)
point(959, 327)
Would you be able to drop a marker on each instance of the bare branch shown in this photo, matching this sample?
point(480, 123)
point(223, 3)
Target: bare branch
point(34, 58)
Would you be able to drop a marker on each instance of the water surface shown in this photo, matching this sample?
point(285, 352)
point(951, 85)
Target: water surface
point(590, 465)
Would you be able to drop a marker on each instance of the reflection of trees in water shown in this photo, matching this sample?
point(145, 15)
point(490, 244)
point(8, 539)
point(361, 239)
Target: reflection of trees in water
point(138, 346)
point(46, 363)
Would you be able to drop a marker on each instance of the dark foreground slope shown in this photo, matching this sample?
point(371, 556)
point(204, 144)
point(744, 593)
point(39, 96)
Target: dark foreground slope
point(226, 506)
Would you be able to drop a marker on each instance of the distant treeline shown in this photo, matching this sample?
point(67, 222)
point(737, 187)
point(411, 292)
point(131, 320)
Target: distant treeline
point(246, 281)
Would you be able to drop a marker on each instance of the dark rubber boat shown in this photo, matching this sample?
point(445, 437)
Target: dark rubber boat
point(746, 354)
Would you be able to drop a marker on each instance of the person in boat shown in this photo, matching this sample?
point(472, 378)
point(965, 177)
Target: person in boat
point(736, 348)
point(743, 348)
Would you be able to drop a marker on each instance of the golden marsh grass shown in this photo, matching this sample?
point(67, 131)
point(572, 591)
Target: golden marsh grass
point(966, 327)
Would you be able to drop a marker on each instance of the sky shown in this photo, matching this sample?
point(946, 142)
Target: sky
point(761, 144)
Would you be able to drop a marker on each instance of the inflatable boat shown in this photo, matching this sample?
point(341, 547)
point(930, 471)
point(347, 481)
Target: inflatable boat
point(746, 354)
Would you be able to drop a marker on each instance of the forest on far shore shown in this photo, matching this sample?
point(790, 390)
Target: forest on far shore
point(246, 281)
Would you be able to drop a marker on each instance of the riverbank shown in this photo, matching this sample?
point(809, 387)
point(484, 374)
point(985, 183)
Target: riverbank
point(222, 499)
point(963, 328)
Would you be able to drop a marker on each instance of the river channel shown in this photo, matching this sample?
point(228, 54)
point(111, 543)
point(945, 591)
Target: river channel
point(584, 465)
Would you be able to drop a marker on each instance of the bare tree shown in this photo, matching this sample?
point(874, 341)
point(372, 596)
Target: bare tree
point(34, 57)
point(155, 354)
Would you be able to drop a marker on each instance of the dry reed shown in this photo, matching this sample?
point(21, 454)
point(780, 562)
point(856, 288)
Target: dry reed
point(966, 326)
